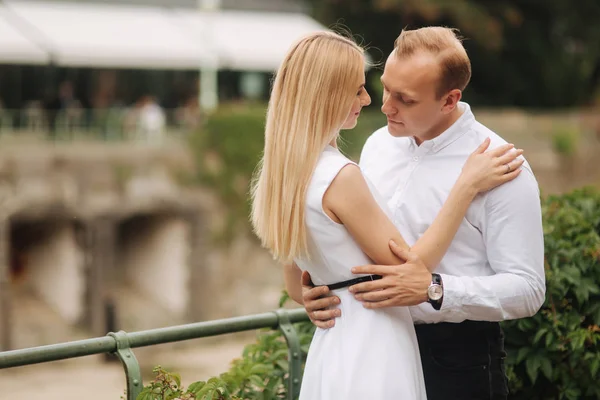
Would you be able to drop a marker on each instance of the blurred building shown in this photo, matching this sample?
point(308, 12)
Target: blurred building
point(114, 53)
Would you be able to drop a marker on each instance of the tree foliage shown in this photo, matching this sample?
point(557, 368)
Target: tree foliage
point(556, 353)
point(528, 53)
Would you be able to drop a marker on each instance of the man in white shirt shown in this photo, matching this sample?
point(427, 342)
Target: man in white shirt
point(494, 269)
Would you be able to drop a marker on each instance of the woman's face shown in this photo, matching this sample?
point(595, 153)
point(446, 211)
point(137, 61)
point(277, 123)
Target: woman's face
point(361, 100)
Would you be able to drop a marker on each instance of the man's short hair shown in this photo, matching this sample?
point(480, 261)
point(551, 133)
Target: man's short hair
point(443, 43)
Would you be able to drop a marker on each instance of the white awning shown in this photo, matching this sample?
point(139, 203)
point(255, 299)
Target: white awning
point(103, 35)
point(15, 47)
point(248, 41)
point(126, 36)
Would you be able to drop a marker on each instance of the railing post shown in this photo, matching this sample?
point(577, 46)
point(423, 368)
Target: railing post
point(294, 354)
point(133, 374)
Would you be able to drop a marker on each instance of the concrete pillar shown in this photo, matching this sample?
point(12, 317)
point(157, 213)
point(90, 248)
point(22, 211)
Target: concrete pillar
point(153, 257)
point(56, 263)
point(5, 287)
point(100, 244)
point(199, 273)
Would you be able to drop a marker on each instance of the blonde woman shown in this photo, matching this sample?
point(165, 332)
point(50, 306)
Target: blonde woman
point(307, 197)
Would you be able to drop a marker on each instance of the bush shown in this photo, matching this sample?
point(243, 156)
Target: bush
point(556, 353)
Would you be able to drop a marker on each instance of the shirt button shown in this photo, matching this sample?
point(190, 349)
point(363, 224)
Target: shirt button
point(415, 158)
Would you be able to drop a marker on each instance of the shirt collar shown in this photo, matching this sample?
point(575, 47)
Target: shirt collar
point(456, 130)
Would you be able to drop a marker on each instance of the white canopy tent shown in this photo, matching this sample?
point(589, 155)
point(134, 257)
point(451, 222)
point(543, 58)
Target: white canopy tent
point(102, 35)
point(15, 46)
point(72, 34)
point(122, 36)
point(247, 41)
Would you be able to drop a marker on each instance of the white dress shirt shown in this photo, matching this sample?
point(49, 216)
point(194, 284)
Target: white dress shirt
point(494, 268)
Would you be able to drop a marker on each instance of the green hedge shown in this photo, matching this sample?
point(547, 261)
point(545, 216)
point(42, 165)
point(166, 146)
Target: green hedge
point(556, 353)
point(553, 355)
point(227, 150)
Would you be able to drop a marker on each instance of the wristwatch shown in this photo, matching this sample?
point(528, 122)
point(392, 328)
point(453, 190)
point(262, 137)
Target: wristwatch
point(435, 292)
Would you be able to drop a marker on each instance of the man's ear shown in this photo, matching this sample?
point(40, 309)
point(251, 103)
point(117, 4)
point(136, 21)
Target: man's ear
point(451, 100)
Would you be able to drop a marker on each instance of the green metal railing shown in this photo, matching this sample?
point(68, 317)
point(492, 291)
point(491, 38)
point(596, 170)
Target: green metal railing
point(122, 343)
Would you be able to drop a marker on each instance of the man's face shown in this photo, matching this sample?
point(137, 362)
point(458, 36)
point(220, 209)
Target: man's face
point(409, 96)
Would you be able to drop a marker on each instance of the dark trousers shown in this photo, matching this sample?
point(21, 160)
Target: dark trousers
point(463, 361)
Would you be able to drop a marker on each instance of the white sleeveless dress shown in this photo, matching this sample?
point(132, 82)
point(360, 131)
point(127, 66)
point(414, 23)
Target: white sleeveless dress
point(368, 354)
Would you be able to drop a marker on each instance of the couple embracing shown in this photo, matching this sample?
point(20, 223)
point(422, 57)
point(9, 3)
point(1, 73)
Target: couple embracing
point(407, 261)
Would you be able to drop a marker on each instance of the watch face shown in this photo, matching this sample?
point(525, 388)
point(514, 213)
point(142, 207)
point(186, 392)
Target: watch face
point(435, 292)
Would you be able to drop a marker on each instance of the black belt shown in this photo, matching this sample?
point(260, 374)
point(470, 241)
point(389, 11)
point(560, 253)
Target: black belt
point(354, 281)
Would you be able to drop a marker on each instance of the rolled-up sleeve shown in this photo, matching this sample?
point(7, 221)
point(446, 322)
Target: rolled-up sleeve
point(514, 239)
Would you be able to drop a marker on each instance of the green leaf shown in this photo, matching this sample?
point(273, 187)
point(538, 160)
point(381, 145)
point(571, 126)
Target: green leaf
point(144, 395)
point(257, 380)
point(532, 364)
point(577, 339)
point(177, 379)
point(196, 387)
point(572, 394)
point(272, 384)
point(594, 366)
point(283, 364)
point(284, 298)
point(549, 338)
point(546, 367)
point(539, 335)
point(523, 352)
point(261, 369)
point(596, 315)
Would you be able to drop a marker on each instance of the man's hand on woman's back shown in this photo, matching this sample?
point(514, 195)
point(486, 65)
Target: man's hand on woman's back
point(319, 302)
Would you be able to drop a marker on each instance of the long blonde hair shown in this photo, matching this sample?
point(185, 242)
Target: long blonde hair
point(311, 98)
